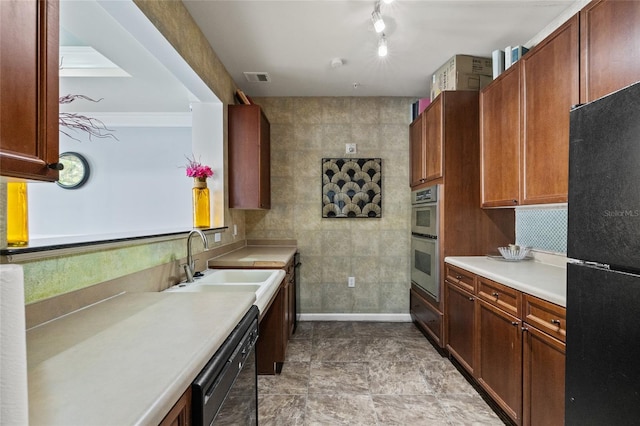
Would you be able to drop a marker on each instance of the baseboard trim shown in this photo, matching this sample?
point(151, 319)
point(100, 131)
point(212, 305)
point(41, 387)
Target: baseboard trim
point(356, 317)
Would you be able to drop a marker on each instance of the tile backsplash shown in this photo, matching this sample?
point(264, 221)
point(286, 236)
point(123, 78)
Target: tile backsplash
point(542, 228)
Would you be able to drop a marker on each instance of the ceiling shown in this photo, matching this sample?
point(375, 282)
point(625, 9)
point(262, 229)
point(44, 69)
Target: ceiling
point(295, 41)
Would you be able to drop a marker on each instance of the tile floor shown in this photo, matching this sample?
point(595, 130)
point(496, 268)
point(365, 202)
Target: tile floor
point(364, 373)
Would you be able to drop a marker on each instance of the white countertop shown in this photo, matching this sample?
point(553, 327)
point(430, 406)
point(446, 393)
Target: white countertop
point(268, 256)
point(548, 282)
point(128, 359)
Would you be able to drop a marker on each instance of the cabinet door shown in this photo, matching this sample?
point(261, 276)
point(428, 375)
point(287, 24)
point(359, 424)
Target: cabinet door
point(500, 140)
point(499, 368)
point(249, 158)
point(29, 89)
point(417, 148)
point(272, 340)
point(550, 79)
point(180, 413)
point(264, 147)
point(544, 366)
point(460, 325)
point(433, 139)
point(425, 315)
point(610, 47)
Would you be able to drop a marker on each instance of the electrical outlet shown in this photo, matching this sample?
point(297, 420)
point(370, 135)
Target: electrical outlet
point(235, 230)
point(217, 237)
point(352, 282)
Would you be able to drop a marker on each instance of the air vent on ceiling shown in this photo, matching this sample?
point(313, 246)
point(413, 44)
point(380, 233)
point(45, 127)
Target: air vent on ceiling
point(257, 77)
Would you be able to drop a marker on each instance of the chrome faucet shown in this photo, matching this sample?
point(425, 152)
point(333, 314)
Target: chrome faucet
point(189, 267)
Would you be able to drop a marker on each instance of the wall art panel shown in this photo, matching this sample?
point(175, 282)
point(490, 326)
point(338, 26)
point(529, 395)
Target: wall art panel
point(351, 187)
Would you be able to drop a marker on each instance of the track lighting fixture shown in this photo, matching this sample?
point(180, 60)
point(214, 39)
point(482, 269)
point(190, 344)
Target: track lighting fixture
point(376, 18)
point(382, 46)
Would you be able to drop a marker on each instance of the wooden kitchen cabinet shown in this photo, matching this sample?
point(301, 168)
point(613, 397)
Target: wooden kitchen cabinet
point(499, 369)
point(417, 153)
point(518, 350)
point(550, 84)
point(543, 379)
point(249, 158)
point(460, 325)
point(500, 140)
point(180, 413)
point(524, 124)
point(434, 140)
point(271, 347)
point(29, 89)
point(610, 47)
point(428, 317)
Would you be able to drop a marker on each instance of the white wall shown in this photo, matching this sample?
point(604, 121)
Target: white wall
point(137, 183)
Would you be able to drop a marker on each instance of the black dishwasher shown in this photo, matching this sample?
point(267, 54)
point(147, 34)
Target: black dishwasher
point(226, 392)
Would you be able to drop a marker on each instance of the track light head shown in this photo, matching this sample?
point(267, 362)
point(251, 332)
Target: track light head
point(376, 18)
point(382, 46)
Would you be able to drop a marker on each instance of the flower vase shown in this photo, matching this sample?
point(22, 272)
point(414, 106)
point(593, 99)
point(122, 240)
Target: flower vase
point(17, 214)
point(201, 203)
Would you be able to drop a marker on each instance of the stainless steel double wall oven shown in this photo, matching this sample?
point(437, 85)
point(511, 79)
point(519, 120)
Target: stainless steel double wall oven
point(424, 240)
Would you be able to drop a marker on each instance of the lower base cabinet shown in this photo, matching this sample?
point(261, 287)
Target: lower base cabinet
point(513, 344)
point(271, 347)
point(543, 379)
point(180, 413)
point(425, 315)
point(499, 369)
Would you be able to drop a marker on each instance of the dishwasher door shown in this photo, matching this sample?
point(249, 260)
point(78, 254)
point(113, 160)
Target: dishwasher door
point(226, 391)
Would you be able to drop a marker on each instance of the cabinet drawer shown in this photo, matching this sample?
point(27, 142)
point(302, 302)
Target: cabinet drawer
point(503, 297)
point(461, 278)
point(545, 316)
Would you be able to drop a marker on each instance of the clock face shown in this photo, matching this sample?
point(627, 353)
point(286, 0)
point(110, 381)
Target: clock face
point(75, 172)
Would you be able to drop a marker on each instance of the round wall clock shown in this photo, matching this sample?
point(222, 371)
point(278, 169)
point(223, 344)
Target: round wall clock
point(75, 172)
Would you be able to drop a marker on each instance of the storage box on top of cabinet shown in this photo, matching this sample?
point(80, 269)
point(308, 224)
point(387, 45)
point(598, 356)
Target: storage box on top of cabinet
point(462, 72)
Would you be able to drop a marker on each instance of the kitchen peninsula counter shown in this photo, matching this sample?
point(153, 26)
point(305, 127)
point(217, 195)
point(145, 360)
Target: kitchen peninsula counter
point(128, 359)
point(545, 281)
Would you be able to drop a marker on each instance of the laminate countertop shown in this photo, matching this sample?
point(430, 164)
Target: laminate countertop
point(548, 282)
point(267, 256)
point(128, 359)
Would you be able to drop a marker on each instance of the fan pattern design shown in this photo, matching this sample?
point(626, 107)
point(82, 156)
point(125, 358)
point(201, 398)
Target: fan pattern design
point(351, 187)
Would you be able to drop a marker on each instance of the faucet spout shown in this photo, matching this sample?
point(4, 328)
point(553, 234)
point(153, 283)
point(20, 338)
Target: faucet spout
point(189, 268)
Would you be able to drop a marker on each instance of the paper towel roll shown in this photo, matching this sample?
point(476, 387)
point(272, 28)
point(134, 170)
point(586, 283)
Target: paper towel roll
point(13, 348)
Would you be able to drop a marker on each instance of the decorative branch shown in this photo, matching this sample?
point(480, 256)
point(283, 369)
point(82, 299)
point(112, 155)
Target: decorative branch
point(77, 122)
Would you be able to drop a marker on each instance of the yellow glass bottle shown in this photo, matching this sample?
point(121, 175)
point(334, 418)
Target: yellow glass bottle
point(201, 204)
point(17, 214)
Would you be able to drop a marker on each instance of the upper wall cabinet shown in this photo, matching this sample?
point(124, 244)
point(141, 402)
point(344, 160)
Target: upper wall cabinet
point(249, 158)
point(610, 47)
point(29, 89)
point(426, 140)
point(417, 152)
point(500, 140)
point(550, 86)
point(525, 124)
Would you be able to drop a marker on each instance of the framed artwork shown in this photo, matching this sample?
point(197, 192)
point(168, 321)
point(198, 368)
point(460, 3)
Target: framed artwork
point(351, 187)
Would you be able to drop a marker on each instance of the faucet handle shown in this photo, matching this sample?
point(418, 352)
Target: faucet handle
point(188, 271)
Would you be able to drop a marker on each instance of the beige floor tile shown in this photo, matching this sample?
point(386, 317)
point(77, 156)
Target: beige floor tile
point(338, 378)
point(409, 410)
point(340, 410)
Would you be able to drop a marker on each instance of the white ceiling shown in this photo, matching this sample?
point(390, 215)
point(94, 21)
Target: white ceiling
point(295, 41)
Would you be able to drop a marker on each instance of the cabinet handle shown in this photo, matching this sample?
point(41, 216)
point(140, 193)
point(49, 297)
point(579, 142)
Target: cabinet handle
point(55, 166)
point(556, 322)
point(495, 294)
point(515, 201)
point(524, 329)
point(472, 299)
point(515, 323)
point(458, 277)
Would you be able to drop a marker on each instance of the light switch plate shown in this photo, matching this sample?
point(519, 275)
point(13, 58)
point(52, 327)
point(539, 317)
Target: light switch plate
point(351, 148)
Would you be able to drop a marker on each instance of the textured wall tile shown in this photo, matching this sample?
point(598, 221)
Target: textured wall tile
point(375, 251)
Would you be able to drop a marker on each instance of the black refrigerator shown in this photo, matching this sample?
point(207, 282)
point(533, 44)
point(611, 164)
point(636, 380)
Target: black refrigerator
point(602, 385)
